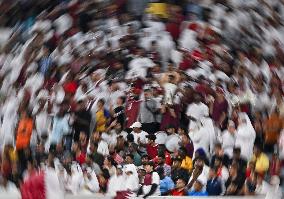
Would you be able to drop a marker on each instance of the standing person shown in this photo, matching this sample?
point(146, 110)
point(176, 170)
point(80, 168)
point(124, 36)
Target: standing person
point(219, 109)
point(82, 120)
point(245, 134)
point(102, 116)
point(272, 128)
point(151, 184)
point(228, 139)
point(24, 133)
point(59, 129)
point(148, 113)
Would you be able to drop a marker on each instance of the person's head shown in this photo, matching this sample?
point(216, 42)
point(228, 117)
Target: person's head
point(182, 130)
point(180, 183)
point(109, 161)
point(120, 101)
point(161, 172)
point(151, 139)
point(132, 148)
point(118, 127)
point(237, 153)
point(257, 150)
point(198, 185)
point(176, 162)
point(136, 126)
point(145, 159)
point(161, 159)
point(101, 103)
point(185, 139)
point(89, 159)
point(82, 136)
point(93, 147)
point(231, 127)
point(213, 172)
point(171, 129)
point(96, 136)
point(199, 162)
point(129, 159)
point(218, 162)
point(171, 78)
point(197, 97)
point(149, 166)
point(218, 149)
point(148, 94)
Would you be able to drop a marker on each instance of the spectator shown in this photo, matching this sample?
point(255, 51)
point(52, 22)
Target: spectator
point(166, 183)
point(151, 182)
point(180, 188)
point(260, 159)
point(214, 184)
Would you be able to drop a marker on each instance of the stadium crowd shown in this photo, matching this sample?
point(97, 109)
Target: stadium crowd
point(142, 98)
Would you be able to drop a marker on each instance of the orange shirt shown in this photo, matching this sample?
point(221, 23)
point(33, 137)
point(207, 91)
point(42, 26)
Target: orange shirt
point(24, 133)
point(272, 128)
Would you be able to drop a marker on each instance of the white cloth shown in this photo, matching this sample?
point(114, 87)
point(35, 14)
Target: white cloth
point(155, 180)
point(52, 185)
point(245, 137)
point(142, 136)
point(116, 183)
point(228, 143)
point(197, 111)
point(103, 148)
point(170, 90)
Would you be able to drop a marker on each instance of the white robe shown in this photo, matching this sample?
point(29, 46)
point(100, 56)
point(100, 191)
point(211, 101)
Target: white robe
point(228, 143)
point(245, 137)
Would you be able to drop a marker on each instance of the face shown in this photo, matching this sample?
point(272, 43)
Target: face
point(180, 184)
point(184, 139)
point(96, 136)
point(128, 160)
point(161, 160)
point(197, 186)
point(106, 162)
point(145, 159)
point(231, 129)
point(148, 168)
point(136, 130)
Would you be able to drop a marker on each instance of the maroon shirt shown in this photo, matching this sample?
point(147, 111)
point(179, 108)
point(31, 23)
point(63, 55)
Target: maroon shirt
point(218, 109)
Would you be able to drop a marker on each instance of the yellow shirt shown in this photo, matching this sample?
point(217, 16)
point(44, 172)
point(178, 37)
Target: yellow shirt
point(100, 121)
point(159, 9)
point(186, 163)
point(261, 163)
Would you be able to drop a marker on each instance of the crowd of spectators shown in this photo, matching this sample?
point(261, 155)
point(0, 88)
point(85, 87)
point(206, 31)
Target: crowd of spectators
point(142, 98)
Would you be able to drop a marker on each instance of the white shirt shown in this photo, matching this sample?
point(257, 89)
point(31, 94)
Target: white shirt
point(142, 136)
point(228, 143)
point(197, 111)
point(155, 180)
point(103, 148)
point(170, 90)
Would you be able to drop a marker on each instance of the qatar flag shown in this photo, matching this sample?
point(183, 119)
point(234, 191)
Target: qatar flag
point(42, 185)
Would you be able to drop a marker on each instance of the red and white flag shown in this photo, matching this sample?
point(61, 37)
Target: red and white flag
point(42, 185)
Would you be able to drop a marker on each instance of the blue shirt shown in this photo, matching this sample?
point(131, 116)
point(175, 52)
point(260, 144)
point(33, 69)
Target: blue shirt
point(194, 193)
point(45, 64)
point(166, 184)
point(214, 187)
point(59, 129)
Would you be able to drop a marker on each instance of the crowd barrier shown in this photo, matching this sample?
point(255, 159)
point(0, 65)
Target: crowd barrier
point(100, 196)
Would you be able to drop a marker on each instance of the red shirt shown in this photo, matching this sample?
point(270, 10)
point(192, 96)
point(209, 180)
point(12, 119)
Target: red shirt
point(132, 111)
point(152, 151)
point(176, 192)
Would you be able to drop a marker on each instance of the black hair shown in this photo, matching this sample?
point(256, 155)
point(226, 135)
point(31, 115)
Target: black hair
point(130, 155)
